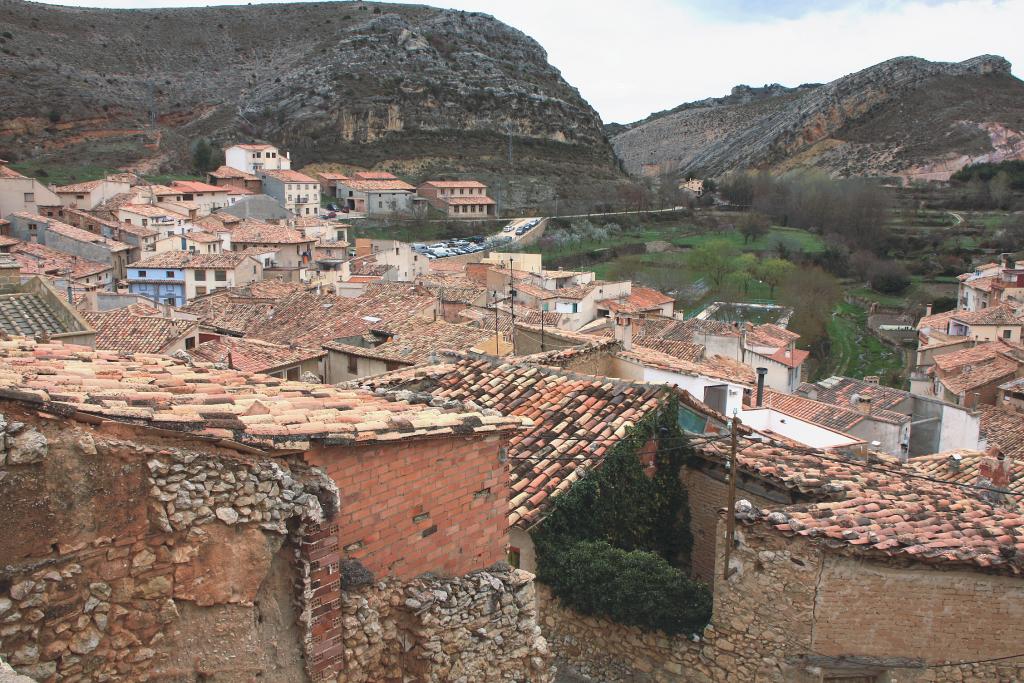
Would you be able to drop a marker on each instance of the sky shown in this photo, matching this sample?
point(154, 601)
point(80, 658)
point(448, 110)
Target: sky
point(629, 59)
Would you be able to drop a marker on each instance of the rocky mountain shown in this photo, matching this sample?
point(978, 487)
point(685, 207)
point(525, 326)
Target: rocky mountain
point(905, 117)
point(411, 87)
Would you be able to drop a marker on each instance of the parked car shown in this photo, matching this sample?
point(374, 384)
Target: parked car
point(332, 207)
point(521, 231)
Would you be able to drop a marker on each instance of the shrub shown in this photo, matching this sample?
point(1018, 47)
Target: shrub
point(637, 588)
point(888, 278)
point(610, 545)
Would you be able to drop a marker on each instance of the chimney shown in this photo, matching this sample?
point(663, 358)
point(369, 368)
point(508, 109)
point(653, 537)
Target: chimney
point(624, 331)
point(761, 372)
point(10, 274)
point(871, 379)
point(928, 310)
point(954, 462)
point(864, 405)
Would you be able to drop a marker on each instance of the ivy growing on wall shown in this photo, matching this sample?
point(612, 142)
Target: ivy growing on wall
point(614, 543)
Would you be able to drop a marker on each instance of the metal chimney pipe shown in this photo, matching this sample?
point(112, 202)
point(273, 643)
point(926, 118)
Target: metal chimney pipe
point(761, 372)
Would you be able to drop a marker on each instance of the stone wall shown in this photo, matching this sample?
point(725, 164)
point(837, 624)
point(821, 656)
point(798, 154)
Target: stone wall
point(791, 612)
point(479, 627)
point(129, 555)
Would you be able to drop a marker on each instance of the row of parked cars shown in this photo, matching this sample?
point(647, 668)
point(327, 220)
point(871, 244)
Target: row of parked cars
point(469, 245)
point(522, 229)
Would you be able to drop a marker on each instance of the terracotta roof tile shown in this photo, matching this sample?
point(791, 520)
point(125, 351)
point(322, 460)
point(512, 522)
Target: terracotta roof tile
point(73, 233)
point(38, 259)
point(1004, 428)
point(71, 380)
point(454, 183)
point(184, 259)
point(289, 176)
point(834, 417)
point(993, 315)
point(226, 172)
point(251, 231)
point(252, 355)
point(138, 328)
point(840, 391)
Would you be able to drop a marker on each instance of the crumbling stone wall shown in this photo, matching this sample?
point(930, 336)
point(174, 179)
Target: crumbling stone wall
point(479, 627)
point(778, 619)
point(127, 556)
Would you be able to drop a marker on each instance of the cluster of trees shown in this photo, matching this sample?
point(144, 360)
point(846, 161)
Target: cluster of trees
point(853, 211)
point(206, 157)
point(990, 186)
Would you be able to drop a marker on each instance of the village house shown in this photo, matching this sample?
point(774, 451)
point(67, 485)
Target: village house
point(990, 284)
point(458, 198)
point(194, 242)
point(19, 193)
point(1002, 426)
point(970, 377)
point(1011, 395)
point(177, 277)
point(935, 425)
point(328, 181)
point(74, 241)
point(297, 192)
point(234, 179)
point(34, 308)
point(402, 263)
point(61, 269)
point(987, 324)
point(933, 338)
point(254, 158)
point(259, 207)
point(205, 196)
point(284, 252)
point(88, 195)
point(285, 488)
point(142, 328)
point(375, 197)
point(639, 300)
point(165, 222)
point(773, 347)
point(255, 356)
point(140, 238)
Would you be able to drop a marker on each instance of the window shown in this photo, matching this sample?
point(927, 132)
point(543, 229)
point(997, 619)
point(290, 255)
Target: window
point(190, 343)
point(30, 197)
point(1007, 334)
point(220, 275)
point(169, 301)
point(514, 556)
point(142, 273)
point(353, 366)
point(200, 290)
point(79, 196)
point(293, 374)
point(575, 308)
point(201, 275)
point(169, 273)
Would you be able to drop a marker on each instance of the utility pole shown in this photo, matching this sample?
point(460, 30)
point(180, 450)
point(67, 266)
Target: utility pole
point(730, 512)
point(512, 297)
point(497, 335)
point(542, 329)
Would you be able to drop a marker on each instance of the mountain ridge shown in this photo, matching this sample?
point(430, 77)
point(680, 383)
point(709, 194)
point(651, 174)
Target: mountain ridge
point(888, 119)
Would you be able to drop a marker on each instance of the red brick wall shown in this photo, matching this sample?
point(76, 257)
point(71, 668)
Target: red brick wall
point(419, 505)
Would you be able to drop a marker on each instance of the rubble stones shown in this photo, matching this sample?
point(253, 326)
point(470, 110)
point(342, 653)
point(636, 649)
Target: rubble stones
point(28, 447)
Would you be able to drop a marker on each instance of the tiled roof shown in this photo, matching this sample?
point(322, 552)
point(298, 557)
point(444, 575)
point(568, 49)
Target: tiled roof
point(468, 201)
point(983, 284)
point(681, 350)
point(87, 186)
point(138, 328)
point(289, 176)
point(576, 420)
point(640, 299)
point(1004, 428)
point(827, 415)
point(717, 367)
point(454, 183)
point(184, 259)
point(148, 210)
point(394, 185)
point(235, 190)
point(194, 186)
point(936, 321)
point(792, 359)
point(7, 172)
point(201, 236)
point(74, 233)
point(6, 241)
point(254, 146)
point(466, 293)
point(840, 391)
point(977, 366)
point(770, 334)
point(28, 314)
point(330, 176)
point(217, 221)
point(252, 355)
point(1016, 385)
point(697, 327)
point(964, 466)
point(416, 341)
point(307, 318)
point(252, 231)
point(993, 315)
point(872, 507)
point(37, 259)
point(258, 410)
point(373, 175)
point(227, 172)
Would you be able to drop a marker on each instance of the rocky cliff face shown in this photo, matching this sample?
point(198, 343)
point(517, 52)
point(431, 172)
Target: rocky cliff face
point(906, 117)
point(362, 83)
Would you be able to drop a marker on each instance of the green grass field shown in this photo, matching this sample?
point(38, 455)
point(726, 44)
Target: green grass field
point(855, 352)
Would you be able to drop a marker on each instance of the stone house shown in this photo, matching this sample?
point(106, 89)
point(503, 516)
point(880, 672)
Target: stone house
point(62, 270)
point(165, 223)
point(253, 158)
point(20, 193)
point(970, 377)
point(142, 328)
point(285, 253)
point(458, 198)
point(375, 197)
point(57, 235)
point(403, 264)
point(34, 308)
point(232, 178)
point(254, 356)
point(137, 236)
point(999, 322)
point(991, 284)
point(223, 549)
point(194, 242)
point(297, 192)
point(88, 195)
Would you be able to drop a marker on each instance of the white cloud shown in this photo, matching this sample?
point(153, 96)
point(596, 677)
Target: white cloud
point(629, 59)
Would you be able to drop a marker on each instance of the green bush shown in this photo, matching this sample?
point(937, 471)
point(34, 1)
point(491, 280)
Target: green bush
point(613, 542)
point(637, 588)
